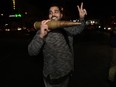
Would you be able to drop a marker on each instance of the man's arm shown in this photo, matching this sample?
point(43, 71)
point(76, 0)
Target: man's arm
point(74, 30)
point(79, 28)
point(37, 42)
point(35, 45)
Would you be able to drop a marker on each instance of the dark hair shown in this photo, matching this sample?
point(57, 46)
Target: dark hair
point(57, 5)
point(61, 9)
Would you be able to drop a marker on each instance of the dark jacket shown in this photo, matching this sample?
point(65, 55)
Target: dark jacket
point(58, 57)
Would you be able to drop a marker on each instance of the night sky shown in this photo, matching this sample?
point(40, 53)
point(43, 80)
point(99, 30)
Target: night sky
point(95, 8)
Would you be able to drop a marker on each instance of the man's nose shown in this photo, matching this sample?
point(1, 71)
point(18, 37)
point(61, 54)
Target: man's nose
point(53, 14)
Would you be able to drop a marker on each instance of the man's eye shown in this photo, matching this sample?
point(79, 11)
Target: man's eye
point(57, 11)
point(50, 13)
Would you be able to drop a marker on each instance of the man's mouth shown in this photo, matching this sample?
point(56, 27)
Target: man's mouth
point(54, 18)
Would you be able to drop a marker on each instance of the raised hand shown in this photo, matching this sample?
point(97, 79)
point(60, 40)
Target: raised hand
point(82, 11)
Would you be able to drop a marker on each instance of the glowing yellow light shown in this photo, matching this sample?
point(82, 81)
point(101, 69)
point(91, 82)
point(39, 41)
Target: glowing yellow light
point(13, 4)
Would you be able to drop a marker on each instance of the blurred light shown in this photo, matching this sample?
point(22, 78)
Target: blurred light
point(2, 14)
point(104, 28)
point(15, 15)
point(6, 24)
point(13, 4)
point(7, 29)
point(19, 28)
point(99, 26)
point(109, 28)
point(25, 12)
point(18, 15)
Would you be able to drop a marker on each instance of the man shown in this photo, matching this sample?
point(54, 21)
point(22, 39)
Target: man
point(112, 68)
point(57, 53)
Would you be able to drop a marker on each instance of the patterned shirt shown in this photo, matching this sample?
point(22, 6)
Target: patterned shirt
point(58, 57)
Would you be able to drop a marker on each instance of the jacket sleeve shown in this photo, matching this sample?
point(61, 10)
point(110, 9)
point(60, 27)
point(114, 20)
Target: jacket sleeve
point(35, 45)
point(74, 30)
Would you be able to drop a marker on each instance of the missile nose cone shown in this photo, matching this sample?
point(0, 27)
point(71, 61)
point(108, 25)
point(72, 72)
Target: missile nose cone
point(56, 24)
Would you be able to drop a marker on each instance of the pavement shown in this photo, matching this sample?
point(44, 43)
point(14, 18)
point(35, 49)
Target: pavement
point(93, 55)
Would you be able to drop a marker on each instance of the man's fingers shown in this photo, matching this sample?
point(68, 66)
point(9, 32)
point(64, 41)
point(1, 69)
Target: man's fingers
point(82, 5)
point(85, 11)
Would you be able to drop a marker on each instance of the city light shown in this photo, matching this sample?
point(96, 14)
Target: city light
point(16, 15)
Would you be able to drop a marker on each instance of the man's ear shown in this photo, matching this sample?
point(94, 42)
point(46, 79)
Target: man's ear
point(61, 15)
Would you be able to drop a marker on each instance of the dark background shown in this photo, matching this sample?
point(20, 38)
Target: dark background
point(39, 7)
point(93, 50)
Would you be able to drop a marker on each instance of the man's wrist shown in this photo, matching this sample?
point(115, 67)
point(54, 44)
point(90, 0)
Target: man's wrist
point(81, 19)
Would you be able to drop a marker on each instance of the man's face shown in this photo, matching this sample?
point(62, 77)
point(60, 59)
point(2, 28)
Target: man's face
point(54, 13)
